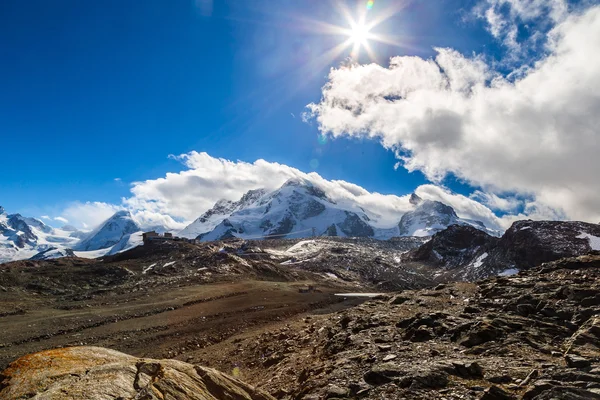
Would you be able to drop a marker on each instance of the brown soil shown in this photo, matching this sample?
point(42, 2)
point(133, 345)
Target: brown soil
point(165, 324)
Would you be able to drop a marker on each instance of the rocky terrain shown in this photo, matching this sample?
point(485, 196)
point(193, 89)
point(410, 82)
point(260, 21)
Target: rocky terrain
point(535, 335)
point(283, 315)
point(464, 253)
point(199, 293)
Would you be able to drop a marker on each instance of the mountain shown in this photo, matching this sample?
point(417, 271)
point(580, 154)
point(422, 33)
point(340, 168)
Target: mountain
point(24, 237)
point(29, 238)
point(430, 217)
point(116, 229)
point(221, 210)
point(53, 252)
point(465, 253)
point(296, 209)
point(298, 206)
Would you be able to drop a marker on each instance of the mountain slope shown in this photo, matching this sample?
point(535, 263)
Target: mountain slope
point(23, 237)
point(464, 253)
point(297, 209)
point(430, 217)
point(112, 231)
point(221, 210)
point(29, 238)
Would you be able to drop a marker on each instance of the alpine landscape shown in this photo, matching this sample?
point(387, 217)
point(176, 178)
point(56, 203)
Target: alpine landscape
point(426, 226)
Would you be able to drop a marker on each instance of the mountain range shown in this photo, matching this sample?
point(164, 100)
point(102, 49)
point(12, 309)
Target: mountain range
point(301, 209)
point(297, 209)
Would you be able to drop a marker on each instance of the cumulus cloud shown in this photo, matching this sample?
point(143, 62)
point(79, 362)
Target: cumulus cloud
point(89, 214)
point(535, 135)
point(505, 18)
point(176, 199)
point(187, 194)
point(496, 202)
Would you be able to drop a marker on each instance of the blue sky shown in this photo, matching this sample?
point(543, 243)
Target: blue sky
point(93, 91)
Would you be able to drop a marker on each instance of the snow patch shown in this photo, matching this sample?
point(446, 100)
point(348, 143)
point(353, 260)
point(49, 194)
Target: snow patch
point(479, 261)
point(332, 276)
point(148, 268)
point(303, 246)
point(169, 264)
point(593, 240)
point(509, 272)
point(92, 253)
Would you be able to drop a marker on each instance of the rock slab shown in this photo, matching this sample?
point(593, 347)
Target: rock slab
point(99, 373)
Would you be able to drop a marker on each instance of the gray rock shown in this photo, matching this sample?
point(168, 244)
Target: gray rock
point(575, 361)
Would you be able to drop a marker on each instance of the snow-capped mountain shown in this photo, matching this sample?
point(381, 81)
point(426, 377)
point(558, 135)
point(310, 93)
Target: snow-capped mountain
point(301, 209)
point(297, 209)
point(430, 217)
point(116, 229)
point(29, 238)
point(221, 210)
point(23, 237)
point(53, 252)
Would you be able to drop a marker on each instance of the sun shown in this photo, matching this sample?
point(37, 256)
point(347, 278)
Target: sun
point(361, 30)
point(359, 33)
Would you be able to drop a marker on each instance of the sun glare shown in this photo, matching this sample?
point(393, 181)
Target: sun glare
point(359, 34)
point(360, 30)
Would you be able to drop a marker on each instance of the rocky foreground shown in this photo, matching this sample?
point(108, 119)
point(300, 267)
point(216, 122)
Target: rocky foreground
point(535, 335)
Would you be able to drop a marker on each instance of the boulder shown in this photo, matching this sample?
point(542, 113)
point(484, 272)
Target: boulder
point(99, 373)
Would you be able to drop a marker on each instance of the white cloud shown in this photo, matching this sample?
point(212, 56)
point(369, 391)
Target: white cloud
point(88, 214)
point(187, 194)
point(537, 135)
point(504, 18)
point(191, 192)
point(496, 202)
point(46, 217)
point(61, 219)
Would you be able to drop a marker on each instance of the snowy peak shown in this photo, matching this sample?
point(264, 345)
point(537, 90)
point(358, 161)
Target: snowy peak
point(221, 210)
point(427, 218)
point(250, 197)
point(297, 209)
point(23, 237)
point(2, 211)
point(308, 187)
point(111, 232)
